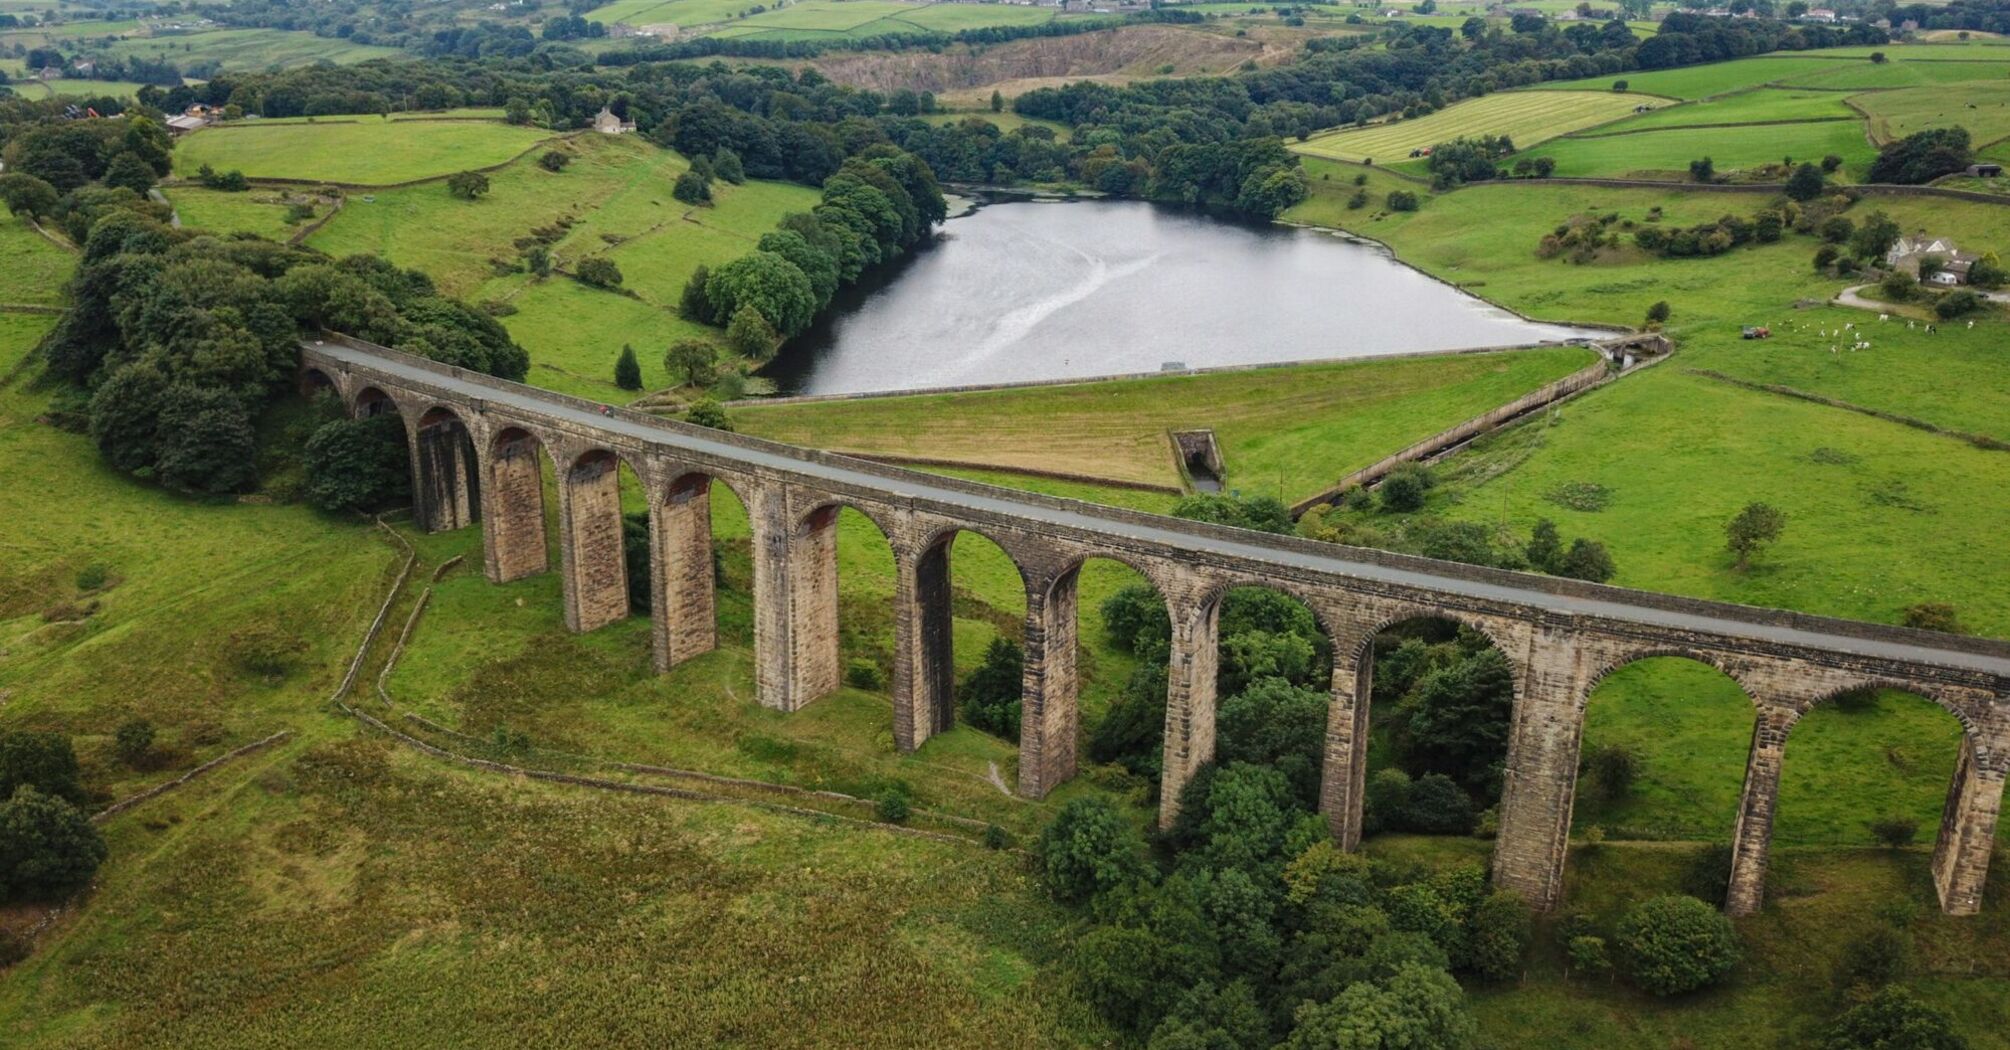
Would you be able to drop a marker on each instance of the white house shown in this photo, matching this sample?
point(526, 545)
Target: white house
point(607, 123)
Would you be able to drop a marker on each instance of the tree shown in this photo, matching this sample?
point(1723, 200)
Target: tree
point(1893, 1019)
point(1923, 156)
point(133, 741)
point(1277, 724)
point(1671, 945)
point(598, 271)
point(207, 444)
point(539, 260)
point(1545, 547)
point(1837, 229)
point(627, 370)
point(1658, 313)
point(1402, 200)
point(692, 187)
point(1612, 770)
point(1956, 303)
point(1806, 183)
point(1754, 528)
point(1417, 1006)
point(1455, 720)
point(1832, 163)
point(768, 282)
point(467, 185)
point(1874, 237)
point(691, 360)
point(1587, 560)
point(750, 335)
point(128, 171)
point(1090, 849)
point(27, 195)
point(1437, 806)
point(47, 846)
point(709, 413)
point(991, 693)
point(1501, 930)
point(43, 761)
point(997, 101)
point(554, 160)
point(1703, 170)
point(358, 465)
point(726, 165)
point(1386, 801)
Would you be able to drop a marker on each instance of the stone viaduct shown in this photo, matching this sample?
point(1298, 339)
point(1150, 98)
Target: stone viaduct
point(480, 444)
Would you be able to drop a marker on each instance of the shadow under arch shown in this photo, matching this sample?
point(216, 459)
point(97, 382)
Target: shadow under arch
point(1463, 662)
point(371, 402)
point(313, 382)
point(446, 472)
point(1665, 745)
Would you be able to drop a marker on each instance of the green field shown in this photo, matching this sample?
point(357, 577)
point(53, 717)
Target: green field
point(1526, 117)
point(1295, 429)
point(35, 268)
point(1900, 74)
point(248, 49)
point(76, 88)
point(368, 152)
point(1694, 82)
point(1762, 105)
point(1982, 108)
point(617, 195)
point(262, 212)
point(1667, 153)
point(675, 12)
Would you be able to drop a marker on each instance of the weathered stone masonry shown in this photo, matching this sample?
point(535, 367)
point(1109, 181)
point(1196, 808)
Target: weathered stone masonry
point(480, 446)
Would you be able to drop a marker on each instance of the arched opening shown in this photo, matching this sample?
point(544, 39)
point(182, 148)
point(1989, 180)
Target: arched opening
point(1096, 651)
point(1861, 763)
point(515, 539)
point(447, 473)
point(596, 536)
point(372, 402)
point(694, 540)
point(1417, 741)
point(837, 637)
point(315, 383)
point(966, 609)
point(1663, 757)
point(1272, 686)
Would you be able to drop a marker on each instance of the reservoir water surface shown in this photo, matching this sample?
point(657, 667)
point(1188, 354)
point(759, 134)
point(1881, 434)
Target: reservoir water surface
point(1029, 290)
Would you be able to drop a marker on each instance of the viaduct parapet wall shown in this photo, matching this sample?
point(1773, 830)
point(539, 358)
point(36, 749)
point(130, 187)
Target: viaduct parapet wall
point(479, 446)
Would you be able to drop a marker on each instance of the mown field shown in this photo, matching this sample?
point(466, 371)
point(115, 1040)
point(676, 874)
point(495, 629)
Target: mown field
point(1982, 107)
point(367, 151)
point(35, 268)
point(1760, 105)
point(68, 87)
point(1667, 153)
point(248, 49)
point(262, 212)
point(1526, 117)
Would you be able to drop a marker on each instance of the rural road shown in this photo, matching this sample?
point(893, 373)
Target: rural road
point(1089, 523)
point(1848, 297)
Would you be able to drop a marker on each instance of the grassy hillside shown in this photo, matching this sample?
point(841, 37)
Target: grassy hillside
point(1526, 117)
point(360, 150)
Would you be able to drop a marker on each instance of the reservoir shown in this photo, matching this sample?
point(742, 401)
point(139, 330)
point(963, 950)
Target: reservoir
point(1023, 290)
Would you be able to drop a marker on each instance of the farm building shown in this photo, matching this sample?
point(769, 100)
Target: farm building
point(607, 123)
point(1949, 264)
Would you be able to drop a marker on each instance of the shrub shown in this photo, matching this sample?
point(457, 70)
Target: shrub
point(554, 160)
point(1588, 956)
point(47, 846)
point(43, 761)
point(1956, 303)
point(1893, 1019)
point(709, 413)
point(358, 464)
point(1894, 831)
point(263, 651)
point(1673, 945)
point(1898, 286)
point(991, 694)
point(1612, 769)
point(1658, 313)
point(1872, 959)
point(995, 837)
point(133, 741)
point(598, 272)
point(1933, 616)
point(893, 807)
point(1837, 229)
point(1386, 802)
point(1587, 560)
point(91, 577)
point(1806, 183)
point(1826, 256)
point(467, 185)
point(692, 187)
point(1500, 929)
point(1402, 492)
point(1402, 200)
point(864, 674)
point(1754, 528)
point(1090, 849)
point(1438, 806)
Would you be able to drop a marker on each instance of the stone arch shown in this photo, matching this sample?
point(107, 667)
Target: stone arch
point(315, 380)
point(446, 471)
point(816, 643)
point(925, 684)
point(374, 401)
point(1344, 768)
point(1665, 701)
point(513, 533)
point(1885, 779)
point(1050, 710)
point(684, 574)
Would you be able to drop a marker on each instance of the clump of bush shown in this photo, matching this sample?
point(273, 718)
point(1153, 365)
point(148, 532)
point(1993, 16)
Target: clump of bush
point(1671, 945)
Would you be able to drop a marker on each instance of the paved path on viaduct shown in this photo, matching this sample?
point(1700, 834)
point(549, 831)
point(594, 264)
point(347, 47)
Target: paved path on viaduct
point(479, 446)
